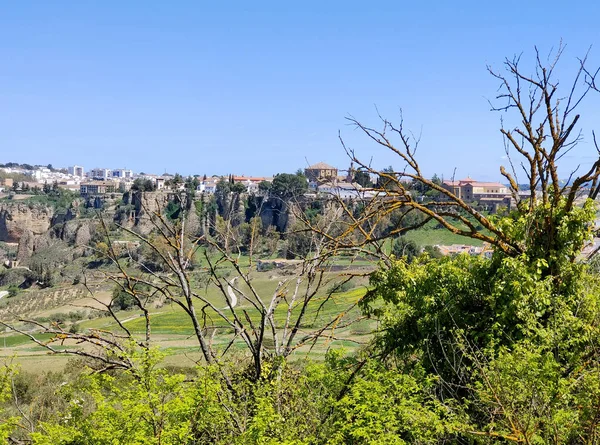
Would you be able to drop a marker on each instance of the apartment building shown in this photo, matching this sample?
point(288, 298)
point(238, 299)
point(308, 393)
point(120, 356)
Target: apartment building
point(101, 174)
point(76, 170)
point(122, 173)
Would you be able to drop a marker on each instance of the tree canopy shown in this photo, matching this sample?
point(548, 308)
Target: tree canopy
point(287, 186)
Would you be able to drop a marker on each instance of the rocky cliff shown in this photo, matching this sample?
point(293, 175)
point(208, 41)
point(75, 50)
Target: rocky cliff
point(18, 218)
point(136, 208)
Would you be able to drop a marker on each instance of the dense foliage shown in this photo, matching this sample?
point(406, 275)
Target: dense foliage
point(470, 350)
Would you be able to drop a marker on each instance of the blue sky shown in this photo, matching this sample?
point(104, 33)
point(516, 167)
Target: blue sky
point(260, 87)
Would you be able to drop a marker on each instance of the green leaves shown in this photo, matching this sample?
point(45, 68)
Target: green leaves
point(512, 341)
point(388, 407)
point(7, 423)
point(145, 406)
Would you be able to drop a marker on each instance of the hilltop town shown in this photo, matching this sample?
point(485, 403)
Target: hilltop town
point(323, 181)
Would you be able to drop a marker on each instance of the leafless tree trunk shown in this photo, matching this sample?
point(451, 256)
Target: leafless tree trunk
point(547, 132)
point(239, 311)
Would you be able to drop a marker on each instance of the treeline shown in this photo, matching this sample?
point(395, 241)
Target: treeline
point(30, 167)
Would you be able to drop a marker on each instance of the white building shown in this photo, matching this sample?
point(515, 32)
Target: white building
point(208, 186)
point(344, 190)
point(122, 173)
point(76, 170)
point(101, 174)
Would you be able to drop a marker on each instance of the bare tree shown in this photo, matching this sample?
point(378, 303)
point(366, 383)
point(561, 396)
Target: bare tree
point(224, 304)
point(546, 132)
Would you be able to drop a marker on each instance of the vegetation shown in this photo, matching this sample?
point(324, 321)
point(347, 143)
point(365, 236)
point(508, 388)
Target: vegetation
point(468, 350)
point(286, 186)
point(143, 185)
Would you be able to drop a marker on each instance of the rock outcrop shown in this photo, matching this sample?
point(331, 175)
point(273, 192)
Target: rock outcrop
point(275, 213)
point(139, 206)
point(17, 218)
point(34, 226)
point(26, 245)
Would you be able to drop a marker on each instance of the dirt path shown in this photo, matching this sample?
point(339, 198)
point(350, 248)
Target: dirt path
point(231, 293)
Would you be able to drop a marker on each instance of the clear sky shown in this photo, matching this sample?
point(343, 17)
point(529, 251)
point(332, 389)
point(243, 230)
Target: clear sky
point(260, 87)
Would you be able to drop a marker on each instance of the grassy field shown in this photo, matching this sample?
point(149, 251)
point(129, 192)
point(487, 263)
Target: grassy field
point(430, 236)
point(172, 328)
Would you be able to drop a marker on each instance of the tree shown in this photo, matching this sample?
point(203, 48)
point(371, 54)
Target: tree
point(238, 188)
point(255, 326)
point(403, 248)
point(222, 197)
point(287, 186)
point(192, 183)
point(468, 349)
point(7, 424)
point(433, 251)
point(264, 186)
point(175, 182)
point(507, 340)
point(363, 178)
point(382, 179)
point(121, 300)
point(143, 185)
point(547, 132)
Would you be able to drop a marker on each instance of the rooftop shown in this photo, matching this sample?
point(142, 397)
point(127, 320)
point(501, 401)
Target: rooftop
point(251, 178)
point(321, 166)
point(473, 182)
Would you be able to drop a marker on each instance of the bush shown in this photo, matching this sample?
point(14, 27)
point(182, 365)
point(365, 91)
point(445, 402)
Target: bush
point(12, 277)
point(340, 287)
point(122, 300)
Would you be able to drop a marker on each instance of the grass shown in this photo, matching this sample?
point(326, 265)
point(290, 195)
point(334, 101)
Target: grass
point(13, 340)
point(431, 234)
point(429, 237)
point(172, 320)
point(173, 331)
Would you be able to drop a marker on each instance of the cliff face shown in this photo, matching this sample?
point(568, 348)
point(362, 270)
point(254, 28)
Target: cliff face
point(282, 216)
point(18, 218)
point(139, 206)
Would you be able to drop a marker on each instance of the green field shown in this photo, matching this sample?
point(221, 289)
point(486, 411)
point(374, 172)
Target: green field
point(172, 329)
point(429, 237)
